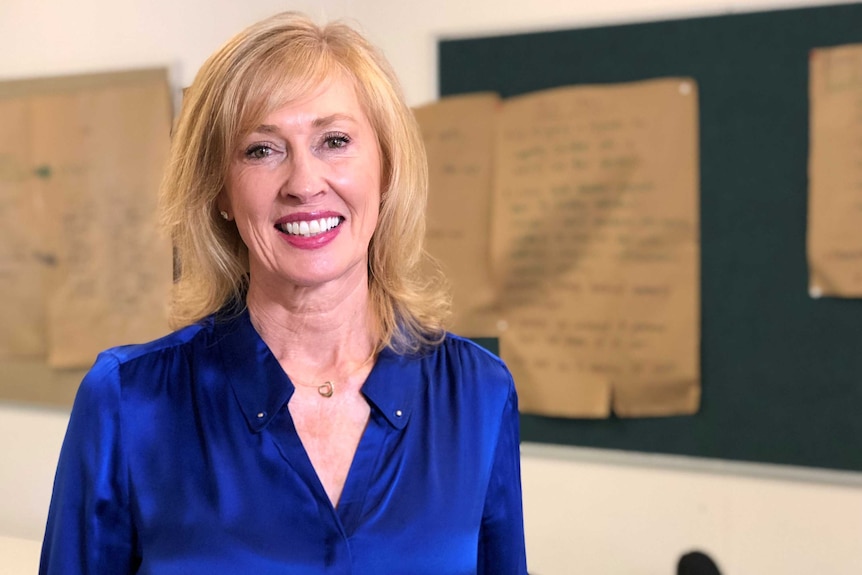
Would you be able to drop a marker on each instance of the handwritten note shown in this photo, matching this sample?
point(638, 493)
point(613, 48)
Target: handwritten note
point(459, 137)
point(835, 172)
point(94, 149)
point(22, 255)
point(594, 244)
point(597, 246)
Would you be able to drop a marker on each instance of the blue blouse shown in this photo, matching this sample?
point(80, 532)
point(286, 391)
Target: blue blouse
point(181, 458)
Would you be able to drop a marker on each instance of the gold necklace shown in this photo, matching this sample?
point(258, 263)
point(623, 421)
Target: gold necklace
point(327, 388)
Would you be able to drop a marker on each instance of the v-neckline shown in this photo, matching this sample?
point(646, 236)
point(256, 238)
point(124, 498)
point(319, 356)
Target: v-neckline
point(263, 391)
point(348, 511)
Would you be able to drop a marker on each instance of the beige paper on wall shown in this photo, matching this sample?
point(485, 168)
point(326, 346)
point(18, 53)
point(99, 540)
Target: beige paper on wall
point(22, 255)
point(97, 148)
point(459, 137)
point(595, 244)
point(596, 239)
point(835, 172)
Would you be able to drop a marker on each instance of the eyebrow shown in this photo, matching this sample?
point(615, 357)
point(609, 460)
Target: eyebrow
point(316, 123)
point(327, 120)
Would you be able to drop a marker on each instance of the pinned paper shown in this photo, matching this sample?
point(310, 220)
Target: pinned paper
point(835, 172)
point(595, 247)
point(82, 265)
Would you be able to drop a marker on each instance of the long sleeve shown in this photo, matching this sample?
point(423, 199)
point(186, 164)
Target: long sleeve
point(181, 458)
point(501, 540)
point(89, 528)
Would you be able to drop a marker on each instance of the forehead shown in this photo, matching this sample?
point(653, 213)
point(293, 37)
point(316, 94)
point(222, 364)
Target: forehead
point(318, 88)
point(333, 98)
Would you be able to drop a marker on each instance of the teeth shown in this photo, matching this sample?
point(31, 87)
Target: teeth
point(310, 228)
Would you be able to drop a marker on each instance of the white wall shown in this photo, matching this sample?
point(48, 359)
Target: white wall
point(586, 511)
point(603, 512)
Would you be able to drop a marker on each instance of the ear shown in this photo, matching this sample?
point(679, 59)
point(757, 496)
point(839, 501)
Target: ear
point(223, 202)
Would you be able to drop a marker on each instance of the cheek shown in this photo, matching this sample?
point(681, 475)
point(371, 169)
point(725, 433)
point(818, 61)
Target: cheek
point(246, 187)
point(246, 200)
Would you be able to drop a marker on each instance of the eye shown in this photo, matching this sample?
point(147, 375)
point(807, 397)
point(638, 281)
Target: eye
point(336, 140)
point(258, 151)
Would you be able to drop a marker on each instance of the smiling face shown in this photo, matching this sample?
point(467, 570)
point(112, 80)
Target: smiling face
point(304, 189)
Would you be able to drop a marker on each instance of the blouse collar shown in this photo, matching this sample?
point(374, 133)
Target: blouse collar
point(262, 388)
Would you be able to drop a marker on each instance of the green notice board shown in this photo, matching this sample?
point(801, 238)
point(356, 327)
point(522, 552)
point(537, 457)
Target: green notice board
point(782, 373)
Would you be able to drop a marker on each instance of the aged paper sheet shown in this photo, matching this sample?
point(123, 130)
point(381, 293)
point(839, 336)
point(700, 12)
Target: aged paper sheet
point(22, 255)
point(594, 240)
point(835, 172)
point(93, 155)
point(596, 243)
point(459, 137)
point(114, 268)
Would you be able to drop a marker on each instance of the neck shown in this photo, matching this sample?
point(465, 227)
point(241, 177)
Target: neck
point(310, 330)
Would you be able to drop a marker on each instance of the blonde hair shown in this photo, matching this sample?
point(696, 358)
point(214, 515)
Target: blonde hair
point(265, 67)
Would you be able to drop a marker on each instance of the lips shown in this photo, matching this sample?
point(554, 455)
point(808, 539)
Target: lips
point(309, 228)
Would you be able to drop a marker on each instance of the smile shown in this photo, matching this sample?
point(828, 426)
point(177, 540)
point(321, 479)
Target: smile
point(309, 228)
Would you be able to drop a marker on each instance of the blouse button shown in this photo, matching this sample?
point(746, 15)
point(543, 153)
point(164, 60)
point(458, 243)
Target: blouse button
point(398, 413)
point(261, 415)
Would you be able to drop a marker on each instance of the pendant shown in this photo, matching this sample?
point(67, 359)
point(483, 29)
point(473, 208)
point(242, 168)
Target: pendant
point(326, 389)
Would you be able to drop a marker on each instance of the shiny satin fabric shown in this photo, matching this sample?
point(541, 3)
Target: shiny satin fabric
point(181, 458)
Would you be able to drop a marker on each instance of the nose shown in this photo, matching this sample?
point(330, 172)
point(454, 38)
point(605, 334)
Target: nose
point(304, 180)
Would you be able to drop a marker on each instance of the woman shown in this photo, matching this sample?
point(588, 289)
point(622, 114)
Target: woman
point(312, 415)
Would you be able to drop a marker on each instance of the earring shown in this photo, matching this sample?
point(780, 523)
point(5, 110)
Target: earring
point(224, 215)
